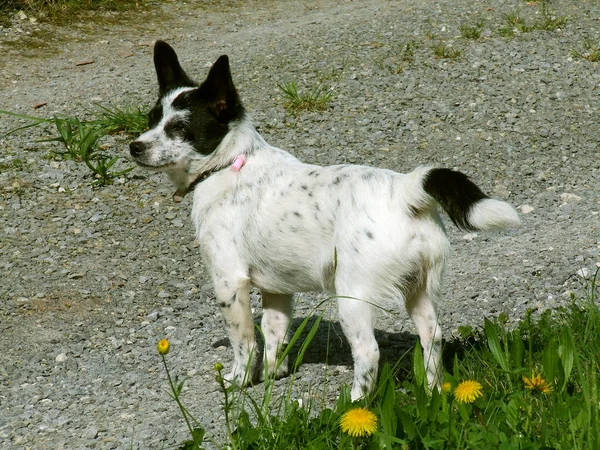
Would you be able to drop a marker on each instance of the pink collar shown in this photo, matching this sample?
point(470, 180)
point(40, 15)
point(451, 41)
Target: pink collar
point(238, 162)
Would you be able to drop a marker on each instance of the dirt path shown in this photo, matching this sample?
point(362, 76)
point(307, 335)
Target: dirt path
point(92, 278)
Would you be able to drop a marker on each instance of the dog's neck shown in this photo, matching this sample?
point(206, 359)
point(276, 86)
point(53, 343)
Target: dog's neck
point(235, 166)
point(232, 152)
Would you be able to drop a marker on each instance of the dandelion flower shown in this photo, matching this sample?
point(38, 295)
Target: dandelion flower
point(468, 391)
point(163, 347)
point(359, 422)
point(537, 383)
point(446, 387)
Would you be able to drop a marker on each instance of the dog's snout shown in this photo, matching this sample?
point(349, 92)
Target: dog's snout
point(136, 148)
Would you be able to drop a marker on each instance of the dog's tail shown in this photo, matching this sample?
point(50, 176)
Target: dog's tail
point(468, 207)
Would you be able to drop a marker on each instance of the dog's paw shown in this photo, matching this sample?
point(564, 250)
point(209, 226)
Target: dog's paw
point(274, 371)
point(239, 377)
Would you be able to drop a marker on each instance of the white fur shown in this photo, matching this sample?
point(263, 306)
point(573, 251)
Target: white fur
point(367, 235)
point(490, 214)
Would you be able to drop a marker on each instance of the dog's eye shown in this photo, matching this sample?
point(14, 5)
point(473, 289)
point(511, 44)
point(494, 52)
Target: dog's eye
point(175, 128)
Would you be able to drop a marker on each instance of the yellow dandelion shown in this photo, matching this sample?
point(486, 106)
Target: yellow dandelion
point(359, 422)
point(468, 391)
point(163, 347)
point(447, 387)
point(537, 383)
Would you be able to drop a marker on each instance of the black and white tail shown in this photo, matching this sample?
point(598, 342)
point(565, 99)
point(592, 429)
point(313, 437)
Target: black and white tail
point(468, 207)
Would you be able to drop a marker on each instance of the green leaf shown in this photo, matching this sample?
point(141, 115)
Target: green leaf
point(566, 351)
point(307, 341)
point(550, 360)
point(387, 395)
point(517, 350)
point(491, 332)
point(419, 365)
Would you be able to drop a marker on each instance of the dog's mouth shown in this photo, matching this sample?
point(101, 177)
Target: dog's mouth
point(145, 165)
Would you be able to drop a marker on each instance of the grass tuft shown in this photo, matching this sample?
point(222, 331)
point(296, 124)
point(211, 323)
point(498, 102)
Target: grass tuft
point(590, 52)
point(442, 51)
point(120, 119)
point(81, 139)
point(532, 386)
point(315, 99)
point(471, 31)
point(547, 22)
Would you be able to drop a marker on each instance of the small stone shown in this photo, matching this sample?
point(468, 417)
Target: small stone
point(470, 236)
point(61, 358)
point(526, 209)
point(569, 198)
point(583, 272)
point(92, 433)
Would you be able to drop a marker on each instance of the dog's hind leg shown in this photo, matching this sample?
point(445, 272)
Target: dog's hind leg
point(356, 318)
point(421, 308)
point(277, 311)
point(233, 297)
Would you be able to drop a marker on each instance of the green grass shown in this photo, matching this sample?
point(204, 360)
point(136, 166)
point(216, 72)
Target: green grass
point(540, 389)
point(471, 31)
point(547, 22)
point(80, 139)
point(313, 99)
point(443, 51)
point(590, 52)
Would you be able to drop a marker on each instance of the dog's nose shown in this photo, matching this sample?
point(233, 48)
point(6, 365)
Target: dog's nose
point(136, 148)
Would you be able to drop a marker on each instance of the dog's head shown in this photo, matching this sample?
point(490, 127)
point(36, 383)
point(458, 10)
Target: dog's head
point(189, 120)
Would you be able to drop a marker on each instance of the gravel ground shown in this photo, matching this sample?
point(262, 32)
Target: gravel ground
point(92, 278)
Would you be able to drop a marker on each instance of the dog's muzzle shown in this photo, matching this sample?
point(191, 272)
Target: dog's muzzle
point(136, 148)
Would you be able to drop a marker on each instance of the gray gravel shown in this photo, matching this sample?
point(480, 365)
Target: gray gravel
point(92, 278)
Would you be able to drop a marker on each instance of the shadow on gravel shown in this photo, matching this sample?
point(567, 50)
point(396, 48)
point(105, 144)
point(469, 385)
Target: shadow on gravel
point(329, 346)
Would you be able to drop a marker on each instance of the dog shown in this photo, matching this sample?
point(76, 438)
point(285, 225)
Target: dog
point(266, 220)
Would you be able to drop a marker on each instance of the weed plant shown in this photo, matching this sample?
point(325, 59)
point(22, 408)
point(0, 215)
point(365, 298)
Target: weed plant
point(81, 138)
point(471, 31)
point(535, 386)
point(547, 22)
point(315, 99)
point(590, 52)
point(442, 51)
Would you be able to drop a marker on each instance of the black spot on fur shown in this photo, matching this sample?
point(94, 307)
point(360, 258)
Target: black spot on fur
point(368, 175)
point(297, 214)
point(337, 180)
point(369, 234)
point(455, 193)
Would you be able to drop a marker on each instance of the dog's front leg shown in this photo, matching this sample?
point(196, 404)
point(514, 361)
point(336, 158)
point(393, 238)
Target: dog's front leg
point(233, 297)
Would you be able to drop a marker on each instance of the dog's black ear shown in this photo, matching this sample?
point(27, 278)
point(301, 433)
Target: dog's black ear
point(218, 87)
point(168, 70)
